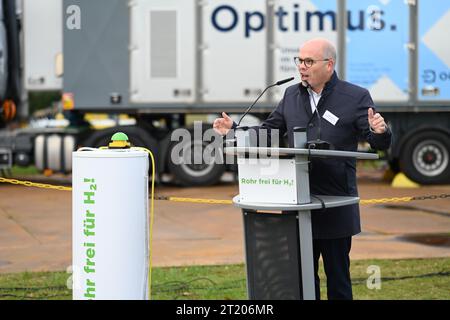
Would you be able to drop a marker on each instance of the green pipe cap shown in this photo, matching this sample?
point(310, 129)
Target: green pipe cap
point(119, 136)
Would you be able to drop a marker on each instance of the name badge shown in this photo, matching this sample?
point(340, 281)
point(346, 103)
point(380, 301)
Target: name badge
point(331, 118)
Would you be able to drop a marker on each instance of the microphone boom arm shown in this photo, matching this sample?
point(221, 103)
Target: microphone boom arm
point(278, 83)
point(249, 108)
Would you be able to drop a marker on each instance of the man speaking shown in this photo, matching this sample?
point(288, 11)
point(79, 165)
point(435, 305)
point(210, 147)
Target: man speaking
point(346, 114)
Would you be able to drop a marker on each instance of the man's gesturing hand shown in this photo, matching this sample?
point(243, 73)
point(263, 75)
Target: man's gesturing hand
point(223, 125)
point(376, 122)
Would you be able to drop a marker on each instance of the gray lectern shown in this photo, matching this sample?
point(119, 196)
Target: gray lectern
point(278, 246)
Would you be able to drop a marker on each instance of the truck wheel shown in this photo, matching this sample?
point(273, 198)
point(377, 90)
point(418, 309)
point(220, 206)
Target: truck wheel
point(426, 158)
point(188, 173)
point(138, 137)
point(394, 165)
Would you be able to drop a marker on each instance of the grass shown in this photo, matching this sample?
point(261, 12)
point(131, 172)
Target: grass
point(24, 171)
point(420, 279)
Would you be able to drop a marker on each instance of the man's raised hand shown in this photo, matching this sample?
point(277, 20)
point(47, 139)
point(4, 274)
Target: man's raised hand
point(223, 125)
point(376, 122)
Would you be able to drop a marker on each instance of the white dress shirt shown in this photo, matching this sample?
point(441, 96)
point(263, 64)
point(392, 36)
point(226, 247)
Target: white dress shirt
point(314, 99)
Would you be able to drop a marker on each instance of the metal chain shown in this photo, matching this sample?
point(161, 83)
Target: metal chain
point(386, 200)
point(194, 200)
point(215, 201)
point(432, 197)
point(34, 184)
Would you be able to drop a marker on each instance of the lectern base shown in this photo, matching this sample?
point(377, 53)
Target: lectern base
point(272, 256)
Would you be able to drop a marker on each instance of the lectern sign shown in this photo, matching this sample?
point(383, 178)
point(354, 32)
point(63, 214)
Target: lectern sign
point(267, 180)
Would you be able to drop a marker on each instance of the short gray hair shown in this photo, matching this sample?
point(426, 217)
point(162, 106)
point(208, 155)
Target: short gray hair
point(329, 51)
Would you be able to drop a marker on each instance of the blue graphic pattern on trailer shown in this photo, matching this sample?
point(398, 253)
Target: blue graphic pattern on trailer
point(325, 6)
point(433, 72)
point(372, 54)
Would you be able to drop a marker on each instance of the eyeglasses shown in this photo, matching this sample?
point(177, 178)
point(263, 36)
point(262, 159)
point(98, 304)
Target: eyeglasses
point(308, 62)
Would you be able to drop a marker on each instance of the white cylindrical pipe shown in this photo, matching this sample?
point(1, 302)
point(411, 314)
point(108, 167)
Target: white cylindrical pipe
point(110, 224)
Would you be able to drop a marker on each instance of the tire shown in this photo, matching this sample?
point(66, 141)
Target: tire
point(138, 137)
point(394, 165)
point(188, 173)
point(425, 158)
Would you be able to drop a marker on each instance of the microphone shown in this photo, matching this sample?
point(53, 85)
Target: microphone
point(278, 83)
point(318, 143)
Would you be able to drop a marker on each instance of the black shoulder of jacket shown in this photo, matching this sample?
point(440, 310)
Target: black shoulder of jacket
point(350, 89)
point(292, 90)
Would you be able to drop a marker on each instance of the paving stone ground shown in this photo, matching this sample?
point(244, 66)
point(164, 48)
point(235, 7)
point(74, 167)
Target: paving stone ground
point(35, 227)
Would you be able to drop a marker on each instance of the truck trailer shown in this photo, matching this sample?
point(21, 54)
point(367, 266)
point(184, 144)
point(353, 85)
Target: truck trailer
point(159, 61)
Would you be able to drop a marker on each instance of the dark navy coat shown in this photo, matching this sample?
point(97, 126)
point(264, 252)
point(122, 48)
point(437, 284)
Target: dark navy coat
point(331, 176)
